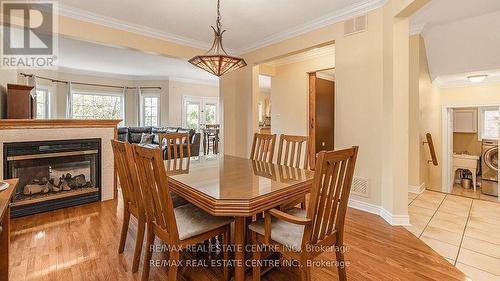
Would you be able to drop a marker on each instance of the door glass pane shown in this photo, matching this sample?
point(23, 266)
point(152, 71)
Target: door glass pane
point(210, 113)
point(192, 115)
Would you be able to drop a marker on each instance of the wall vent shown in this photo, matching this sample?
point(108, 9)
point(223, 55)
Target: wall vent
point(360, 187)
point(355, 25)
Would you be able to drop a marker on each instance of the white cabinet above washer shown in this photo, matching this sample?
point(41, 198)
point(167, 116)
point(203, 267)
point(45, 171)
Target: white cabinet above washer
point(465, 121)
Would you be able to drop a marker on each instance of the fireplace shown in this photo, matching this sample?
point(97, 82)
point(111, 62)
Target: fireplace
point(53, 174)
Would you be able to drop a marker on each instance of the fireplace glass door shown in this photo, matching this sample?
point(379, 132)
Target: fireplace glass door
point(59, 175)
point(53, 174)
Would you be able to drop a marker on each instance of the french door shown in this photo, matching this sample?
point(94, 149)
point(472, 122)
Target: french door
point(199, 111)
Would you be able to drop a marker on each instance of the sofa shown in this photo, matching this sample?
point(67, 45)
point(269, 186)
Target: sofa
point(134, 135)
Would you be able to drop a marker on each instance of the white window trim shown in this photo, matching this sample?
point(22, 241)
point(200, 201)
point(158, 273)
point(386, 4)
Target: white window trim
point(98, 93)
point(47, 100)
point(203, 100)
point(481, 118)
point(141, 106)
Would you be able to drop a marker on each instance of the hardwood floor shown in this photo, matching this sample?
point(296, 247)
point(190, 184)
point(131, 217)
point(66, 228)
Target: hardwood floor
point(81, 243)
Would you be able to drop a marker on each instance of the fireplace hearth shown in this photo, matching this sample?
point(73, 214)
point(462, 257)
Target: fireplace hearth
point(53, 174)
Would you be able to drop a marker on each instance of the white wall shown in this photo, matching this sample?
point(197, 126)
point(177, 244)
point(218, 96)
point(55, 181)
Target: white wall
point(177, 90)
point(170, 94)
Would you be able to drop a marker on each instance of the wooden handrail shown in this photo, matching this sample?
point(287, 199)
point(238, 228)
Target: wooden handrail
point(432, 151)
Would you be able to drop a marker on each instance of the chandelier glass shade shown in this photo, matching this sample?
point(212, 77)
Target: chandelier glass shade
point(216, 60)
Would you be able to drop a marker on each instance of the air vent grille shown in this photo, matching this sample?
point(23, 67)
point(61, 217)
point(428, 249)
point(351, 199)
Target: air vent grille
point(355, 25)
point(360, 187)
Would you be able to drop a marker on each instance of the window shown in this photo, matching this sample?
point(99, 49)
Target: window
point(489, 123)
point(42, 104)
point(97, 106)
point(150, 111)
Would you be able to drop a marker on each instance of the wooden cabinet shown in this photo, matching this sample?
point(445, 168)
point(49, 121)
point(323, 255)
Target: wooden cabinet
point(21, 103)
point(465, 121)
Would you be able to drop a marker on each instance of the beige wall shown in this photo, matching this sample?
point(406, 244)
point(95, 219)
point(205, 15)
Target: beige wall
point(414, 144)
point(290, 95)
point(372, 91)
point(469, 143)
point(432, 100)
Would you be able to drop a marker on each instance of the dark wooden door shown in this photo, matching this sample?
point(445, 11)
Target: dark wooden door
point(325, 114)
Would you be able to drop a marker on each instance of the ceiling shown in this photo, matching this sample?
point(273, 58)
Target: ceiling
point(461, 39)
point(250, 24)
point(89, 58)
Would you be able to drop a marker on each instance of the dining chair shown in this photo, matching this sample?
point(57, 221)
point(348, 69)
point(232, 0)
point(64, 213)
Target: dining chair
point(293, 151)
point(179, 227)
point(263, 147)
point(173, 145)
point(131, 196)
point(302, 235)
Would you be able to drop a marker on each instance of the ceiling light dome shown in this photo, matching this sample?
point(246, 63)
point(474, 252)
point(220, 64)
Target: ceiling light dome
point(216, 60)
point(477, 78)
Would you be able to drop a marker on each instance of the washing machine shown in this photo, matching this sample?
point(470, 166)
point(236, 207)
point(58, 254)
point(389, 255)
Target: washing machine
point(489, 167)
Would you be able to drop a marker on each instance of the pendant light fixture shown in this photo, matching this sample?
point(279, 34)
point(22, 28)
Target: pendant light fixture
point(216, 60)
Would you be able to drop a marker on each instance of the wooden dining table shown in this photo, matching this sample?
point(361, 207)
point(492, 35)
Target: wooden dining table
point(230, 186)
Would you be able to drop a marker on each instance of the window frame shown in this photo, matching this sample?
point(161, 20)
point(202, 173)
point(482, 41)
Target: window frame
point(481, 122)
point(142, 107)
point(99, 93)
point(46, 92)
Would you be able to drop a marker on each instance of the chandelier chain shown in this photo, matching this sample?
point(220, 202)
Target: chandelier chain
point(219, 25)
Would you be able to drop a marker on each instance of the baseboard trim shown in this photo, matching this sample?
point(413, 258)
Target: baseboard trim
point(416, 189)
point(395, 220)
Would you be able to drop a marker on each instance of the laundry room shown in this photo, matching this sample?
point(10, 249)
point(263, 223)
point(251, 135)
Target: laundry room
point(474, 165)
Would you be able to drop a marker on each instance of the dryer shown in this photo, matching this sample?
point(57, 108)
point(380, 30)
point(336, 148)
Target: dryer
point(489, 167)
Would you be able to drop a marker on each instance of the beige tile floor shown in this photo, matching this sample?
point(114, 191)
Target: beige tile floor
point(459, 190)
point(465, 231)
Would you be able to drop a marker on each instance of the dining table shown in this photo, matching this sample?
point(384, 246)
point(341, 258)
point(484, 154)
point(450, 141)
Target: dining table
point(231, 186)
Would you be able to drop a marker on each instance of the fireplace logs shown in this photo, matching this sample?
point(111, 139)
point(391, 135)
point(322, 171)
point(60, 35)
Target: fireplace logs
point(64, 183)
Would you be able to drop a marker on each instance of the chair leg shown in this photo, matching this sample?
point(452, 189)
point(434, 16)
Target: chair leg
point(305, 271)
point(256, 258)
point(173, 265)
point(126, 220)
point(341, 263)
point(150, 238)
point(225, 252)
point(138, 244)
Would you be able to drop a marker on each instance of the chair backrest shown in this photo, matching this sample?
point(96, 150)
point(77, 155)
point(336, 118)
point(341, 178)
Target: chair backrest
point(127, 173)
point(263, 147)
point(175, 145)
point(330, 194)
point(177, 166)
point(291, 149)
point(153, 179)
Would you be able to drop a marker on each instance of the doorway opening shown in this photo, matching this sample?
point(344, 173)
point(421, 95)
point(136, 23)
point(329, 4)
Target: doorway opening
point(322, 110)
point(470, 151)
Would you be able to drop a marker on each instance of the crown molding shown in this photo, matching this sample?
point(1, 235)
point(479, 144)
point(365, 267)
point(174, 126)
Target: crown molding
point(346, 13)
point(86, 16)
point(75, 71)
point(337, 16)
